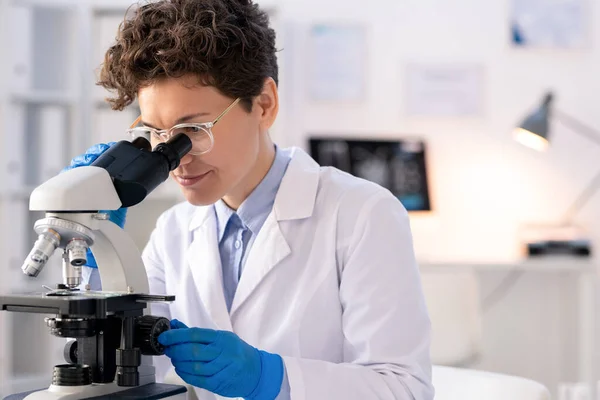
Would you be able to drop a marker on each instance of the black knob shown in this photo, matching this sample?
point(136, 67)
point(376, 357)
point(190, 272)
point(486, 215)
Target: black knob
point(147, 330)
point(71, 328)
point(72, 375)
point(70, 352)
point(128, 361)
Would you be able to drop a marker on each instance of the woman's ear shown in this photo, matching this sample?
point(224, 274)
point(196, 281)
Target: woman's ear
point(267, 103)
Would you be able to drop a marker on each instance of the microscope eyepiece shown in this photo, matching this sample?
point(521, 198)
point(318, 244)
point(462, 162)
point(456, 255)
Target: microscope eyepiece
point(136, 171)
point(174, 149)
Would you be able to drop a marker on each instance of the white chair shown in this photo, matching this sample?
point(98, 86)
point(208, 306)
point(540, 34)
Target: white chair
point(466, 384)
point(456, 384)
point(452, 298)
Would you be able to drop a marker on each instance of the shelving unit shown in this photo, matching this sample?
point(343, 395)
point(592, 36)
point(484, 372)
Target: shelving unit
point(50, 110)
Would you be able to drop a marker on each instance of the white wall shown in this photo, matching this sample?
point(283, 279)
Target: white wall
point(484, 184)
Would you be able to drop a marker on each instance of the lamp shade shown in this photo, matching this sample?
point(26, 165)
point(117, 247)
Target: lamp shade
point(534, 130)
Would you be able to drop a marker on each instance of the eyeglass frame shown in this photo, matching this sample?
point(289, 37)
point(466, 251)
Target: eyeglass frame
point(207, 126)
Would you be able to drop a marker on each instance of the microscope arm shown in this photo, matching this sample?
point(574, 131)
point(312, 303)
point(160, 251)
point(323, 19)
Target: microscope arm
point(112, 248)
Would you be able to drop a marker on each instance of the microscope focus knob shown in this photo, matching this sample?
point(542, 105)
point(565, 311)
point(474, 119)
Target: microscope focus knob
point(72, 375)
point(147, 330)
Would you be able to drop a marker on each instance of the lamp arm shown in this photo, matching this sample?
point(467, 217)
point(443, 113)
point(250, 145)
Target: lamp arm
point(594, 136)
point(578, 126)
point(583, 199)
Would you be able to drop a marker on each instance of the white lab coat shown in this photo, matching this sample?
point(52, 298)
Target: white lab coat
point(331, 284)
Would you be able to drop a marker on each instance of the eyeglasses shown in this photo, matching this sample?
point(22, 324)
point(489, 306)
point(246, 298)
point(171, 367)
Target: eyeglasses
point(199, 133)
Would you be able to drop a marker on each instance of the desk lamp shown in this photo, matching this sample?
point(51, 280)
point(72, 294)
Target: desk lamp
point(564, 238)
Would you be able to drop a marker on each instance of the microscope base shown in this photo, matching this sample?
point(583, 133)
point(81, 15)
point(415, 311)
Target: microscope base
point(153, 391)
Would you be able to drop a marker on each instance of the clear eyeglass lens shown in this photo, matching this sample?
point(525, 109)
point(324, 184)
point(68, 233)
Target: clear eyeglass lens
point(201, 137)
point(134, 133)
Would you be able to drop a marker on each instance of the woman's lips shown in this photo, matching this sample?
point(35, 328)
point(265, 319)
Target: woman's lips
point(189, 180)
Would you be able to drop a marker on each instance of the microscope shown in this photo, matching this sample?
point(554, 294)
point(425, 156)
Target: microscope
point(110, 334)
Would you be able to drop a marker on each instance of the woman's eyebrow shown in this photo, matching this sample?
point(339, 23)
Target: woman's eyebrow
point(179, 120)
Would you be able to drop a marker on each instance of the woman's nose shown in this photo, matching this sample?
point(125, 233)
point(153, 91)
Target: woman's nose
point(186, 159)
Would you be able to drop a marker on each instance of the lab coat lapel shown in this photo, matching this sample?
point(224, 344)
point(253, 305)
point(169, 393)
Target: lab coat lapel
point(295, 200)
point(268, 250)
point(205, 263)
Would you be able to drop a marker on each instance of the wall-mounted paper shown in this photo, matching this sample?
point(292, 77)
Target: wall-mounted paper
point(444, 90)
point(549, 23)
point(336, 66)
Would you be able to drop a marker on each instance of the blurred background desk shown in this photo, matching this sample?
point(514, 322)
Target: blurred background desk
point(543, 309)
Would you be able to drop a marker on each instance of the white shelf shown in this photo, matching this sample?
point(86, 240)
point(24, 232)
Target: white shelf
point(45, 97)
point(57, 4)
point(110, 5)
point(541, 264)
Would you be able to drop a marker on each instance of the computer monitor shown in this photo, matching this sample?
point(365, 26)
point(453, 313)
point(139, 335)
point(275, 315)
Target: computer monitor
point(398, 165)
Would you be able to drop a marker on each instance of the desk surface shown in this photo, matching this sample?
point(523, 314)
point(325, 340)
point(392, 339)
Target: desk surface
point(542, 264)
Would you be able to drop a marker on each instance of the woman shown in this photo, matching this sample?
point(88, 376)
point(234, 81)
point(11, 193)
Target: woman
point(296, 281)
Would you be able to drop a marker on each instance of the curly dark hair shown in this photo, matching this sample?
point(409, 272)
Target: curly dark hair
point(227, 44)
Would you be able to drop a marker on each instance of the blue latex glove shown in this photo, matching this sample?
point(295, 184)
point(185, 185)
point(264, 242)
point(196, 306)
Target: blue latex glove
point(222, 363)
point(116, 216)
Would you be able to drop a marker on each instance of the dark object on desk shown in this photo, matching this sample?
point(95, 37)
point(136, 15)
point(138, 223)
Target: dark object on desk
point(572, 248)
point(545, 240)
point(399, 165)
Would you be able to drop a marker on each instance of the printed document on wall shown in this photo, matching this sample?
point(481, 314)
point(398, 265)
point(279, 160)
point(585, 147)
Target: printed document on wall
point(337, 63)
point(550, 23)
point(444, 90)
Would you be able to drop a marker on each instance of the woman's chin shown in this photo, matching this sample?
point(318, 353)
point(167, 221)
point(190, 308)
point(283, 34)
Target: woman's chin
point(199, 198)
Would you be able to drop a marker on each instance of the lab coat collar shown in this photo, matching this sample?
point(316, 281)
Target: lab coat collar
point(298, 190)
point(296, 196)
point(200, 216)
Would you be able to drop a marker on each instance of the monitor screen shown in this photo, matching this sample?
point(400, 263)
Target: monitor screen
point(399, 165)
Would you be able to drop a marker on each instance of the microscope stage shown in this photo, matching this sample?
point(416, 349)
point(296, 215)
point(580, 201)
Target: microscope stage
point(86, 304)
